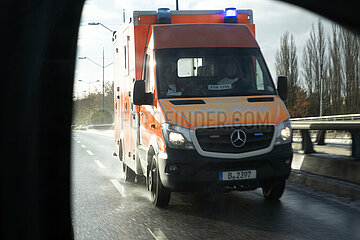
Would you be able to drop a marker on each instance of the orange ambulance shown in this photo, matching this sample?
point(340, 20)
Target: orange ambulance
point(195, 105)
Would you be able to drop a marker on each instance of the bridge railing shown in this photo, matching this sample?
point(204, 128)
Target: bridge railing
point(350, 124)
point(347, 117)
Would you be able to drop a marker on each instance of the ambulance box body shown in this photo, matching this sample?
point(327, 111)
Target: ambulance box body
point(195, 105)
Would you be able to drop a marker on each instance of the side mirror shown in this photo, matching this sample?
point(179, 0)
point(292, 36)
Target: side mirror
point(139, 95)
point(282, 87)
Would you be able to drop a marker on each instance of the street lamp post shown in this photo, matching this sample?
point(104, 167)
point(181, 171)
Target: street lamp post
point(103, 77)
point(89, 120)
point(99, 23)
point(103, 65)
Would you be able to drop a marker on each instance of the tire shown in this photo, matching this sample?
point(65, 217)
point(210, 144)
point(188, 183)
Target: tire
point(160, 196)
point(274, 191)
point(129, 175)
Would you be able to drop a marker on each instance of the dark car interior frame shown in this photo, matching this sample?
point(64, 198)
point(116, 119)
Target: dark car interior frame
point(38, 52)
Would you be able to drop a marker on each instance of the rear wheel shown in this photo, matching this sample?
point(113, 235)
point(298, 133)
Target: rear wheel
point(160, 196)
point(274, 191)
point(129, 175)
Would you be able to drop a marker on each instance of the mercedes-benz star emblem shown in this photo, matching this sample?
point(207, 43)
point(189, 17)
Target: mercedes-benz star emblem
point(238, 138)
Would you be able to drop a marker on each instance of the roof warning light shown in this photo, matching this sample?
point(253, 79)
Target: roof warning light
point(230, 15)
point(163, 16)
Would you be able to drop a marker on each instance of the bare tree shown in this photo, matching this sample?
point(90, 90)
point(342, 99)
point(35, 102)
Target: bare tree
point(351, 48)
point(315, 68)
point(286, 65)
point(335, 72)
point(308, 73)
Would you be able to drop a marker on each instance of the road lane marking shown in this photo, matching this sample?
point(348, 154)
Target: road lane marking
point(99, 164)
point(297, 161)
point(78, 141)
point(119, 187)
point(158, 234)
point(83, 146)
point(89, 152)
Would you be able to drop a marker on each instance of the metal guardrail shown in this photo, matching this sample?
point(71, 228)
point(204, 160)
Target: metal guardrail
point(347, 117)
point(304, 126)
point(94, 126)
point(102, 126)
point(318, 125)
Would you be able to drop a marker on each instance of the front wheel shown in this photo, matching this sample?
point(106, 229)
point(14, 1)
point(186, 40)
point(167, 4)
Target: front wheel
point(274, 191)
point(160, 196)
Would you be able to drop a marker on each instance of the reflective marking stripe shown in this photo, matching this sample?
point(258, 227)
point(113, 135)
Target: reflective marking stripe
point(167, 119)
point(150, 110)
point(180, 114)
point(278, 112)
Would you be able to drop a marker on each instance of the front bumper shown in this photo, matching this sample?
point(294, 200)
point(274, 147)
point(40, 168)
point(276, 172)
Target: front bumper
point(196, 172)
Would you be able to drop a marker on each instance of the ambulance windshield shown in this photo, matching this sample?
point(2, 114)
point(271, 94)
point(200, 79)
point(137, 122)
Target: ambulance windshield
point(212, 72)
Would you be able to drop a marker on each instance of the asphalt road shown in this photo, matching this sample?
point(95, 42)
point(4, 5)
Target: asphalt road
point(106, 207)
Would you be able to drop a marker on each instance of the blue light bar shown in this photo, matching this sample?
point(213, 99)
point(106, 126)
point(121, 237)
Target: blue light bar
point(163, 16)
point(230, 12)
point(230, 15)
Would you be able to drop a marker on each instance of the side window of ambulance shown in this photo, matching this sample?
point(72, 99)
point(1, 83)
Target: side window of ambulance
point(126, 60)
point(147, 73)
point(189, 67)
point(259, 77)
point(125, 56)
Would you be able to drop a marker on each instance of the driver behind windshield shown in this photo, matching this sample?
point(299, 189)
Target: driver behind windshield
point(234, 75)
point(169, 85)
point(173, 85)
point(230, 74)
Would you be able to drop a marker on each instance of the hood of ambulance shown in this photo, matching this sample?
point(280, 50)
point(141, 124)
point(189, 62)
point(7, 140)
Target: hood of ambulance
point(221, 111)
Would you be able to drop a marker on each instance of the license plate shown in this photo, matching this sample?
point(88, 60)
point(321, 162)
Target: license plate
point(237, 175)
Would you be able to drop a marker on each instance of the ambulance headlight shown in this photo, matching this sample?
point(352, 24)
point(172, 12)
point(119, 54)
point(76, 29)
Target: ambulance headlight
point(283, 133)
point(176, 136)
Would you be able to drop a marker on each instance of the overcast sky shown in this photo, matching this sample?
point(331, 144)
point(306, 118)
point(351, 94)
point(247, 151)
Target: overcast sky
point(271, 18)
